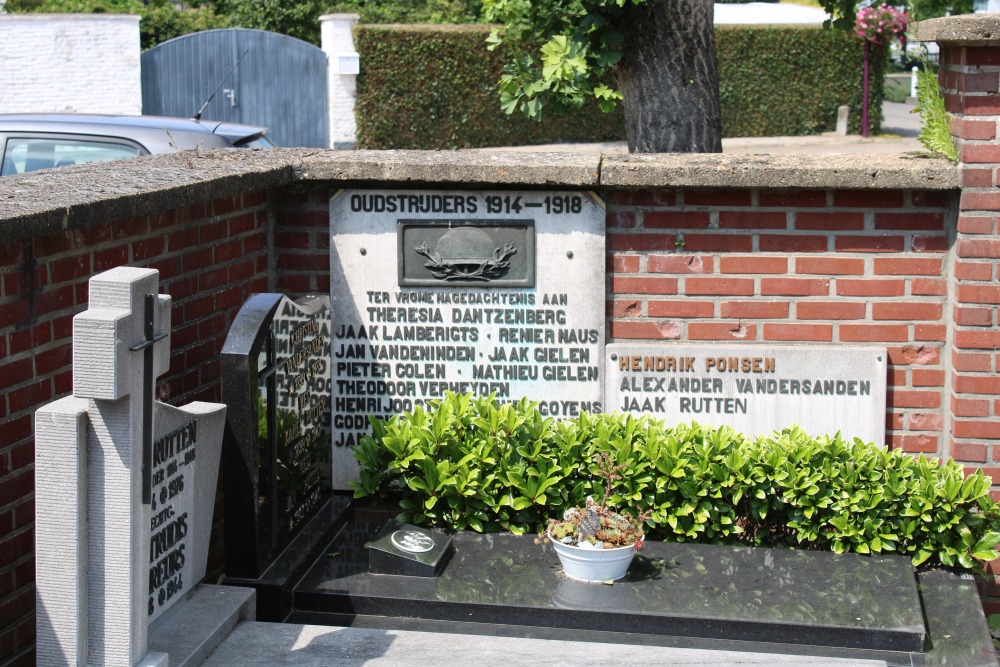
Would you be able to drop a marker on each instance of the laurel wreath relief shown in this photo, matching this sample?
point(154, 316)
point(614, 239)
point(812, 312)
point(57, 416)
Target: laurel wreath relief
point(488, 269)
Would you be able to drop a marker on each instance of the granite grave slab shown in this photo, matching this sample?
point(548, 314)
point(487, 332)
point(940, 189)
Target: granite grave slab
point(276, 383)
point(700, 596)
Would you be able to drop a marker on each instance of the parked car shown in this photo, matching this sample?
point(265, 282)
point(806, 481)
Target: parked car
point(29, 142)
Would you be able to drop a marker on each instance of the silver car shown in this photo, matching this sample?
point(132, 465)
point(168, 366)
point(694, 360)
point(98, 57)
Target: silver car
point(29, 142)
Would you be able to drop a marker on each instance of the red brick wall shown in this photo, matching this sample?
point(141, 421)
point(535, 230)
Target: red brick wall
point(302, 240)
point(970, 78)
point(690, 265)
point(211, 257)
point(809, 266)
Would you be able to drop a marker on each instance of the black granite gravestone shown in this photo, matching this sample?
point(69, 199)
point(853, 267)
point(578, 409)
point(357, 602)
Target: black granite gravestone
point(276, 384)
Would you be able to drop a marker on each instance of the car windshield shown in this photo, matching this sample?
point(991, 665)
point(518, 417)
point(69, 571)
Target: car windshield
point(31, 154)
point(260, 141)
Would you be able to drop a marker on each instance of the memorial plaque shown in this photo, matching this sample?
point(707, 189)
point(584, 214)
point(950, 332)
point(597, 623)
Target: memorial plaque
point(482, 292)
point(755, 389)
point(276, 380)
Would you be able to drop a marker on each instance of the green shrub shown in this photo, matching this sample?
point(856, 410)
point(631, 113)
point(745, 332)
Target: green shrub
point(471, 463)
point(435, 87)
point(789, 81)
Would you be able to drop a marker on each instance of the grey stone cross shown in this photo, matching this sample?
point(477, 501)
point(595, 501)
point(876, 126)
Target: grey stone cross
point(93, 532)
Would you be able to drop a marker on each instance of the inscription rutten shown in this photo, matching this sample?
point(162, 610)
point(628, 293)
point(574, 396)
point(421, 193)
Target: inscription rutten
point(754, 389)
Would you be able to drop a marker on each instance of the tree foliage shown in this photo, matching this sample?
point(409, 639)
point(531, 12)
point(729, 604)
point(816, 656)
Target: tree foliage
point(413, 11)
point(301, 19)
point(578, 45)
point(562, 52)
point(162, 20)
point(159, 19)
point(921, 10)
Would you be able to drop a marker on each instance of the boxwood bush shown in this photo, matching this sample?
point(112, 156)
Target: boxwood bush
point(470, 462)
point(435, 87)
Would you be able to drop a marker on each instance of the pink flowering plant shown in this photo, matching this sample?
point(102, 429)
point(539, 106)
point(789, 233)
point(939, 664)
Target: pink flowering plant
point(881, 24)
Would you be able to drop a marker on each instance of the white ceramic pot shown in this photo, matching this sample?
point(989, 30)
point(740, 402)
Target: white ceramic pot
point(593, 565)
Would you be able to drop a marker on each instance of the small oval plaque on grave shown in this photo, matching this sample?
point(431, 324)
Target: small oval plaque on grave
point(412, 541)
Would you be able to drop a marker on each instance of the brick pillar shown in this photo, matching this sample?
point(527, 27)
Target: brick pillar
point(969, 74)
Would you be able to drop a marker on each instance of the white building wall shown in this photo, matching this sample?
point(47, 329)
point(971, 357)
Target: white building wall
point(337, 42)
point(83, 63)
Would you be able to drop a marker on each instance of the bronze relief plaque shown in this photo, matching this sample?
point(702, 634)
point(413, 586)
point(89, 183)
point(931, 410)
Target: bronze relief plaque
point(466, 253)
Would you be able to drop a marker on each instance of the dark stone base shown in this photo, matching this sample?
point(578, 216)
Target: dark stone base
point(274, 586)
point(699, 596)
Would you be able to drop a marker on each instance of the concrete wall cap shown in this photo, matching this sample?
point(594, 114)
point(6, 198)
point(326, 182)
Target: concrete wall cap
point(455, 168)
point(83, 195)
point(54, 200)
point(851, 172)
point(967, 29)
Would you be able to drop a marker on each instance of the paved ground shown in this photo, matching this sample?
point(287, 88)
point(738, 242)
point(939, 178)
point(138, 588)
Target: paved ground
point(278, 645)
point(899, 135)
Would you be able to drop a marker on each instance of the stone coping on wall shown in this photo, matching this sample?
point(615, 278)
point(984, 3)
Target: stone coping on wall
point(968, 29)
point(83, 195)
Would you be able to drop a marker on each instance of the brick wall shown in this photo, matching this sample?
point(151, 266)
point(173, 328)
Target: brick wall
point(211, 257)
point(84, 63)
point(809, 266)
point(970, 79)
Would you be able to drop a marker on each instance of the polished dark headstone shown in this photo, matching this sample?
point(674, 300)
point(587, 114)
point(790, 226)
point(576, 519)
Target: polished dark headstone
point(701, 596)
point(276, 455)
point(409, 550)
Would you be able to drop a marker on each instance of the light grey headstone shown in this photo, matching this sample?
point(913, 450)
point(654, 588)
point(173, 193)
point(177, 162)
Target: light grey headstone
point(842, 115)
point(92, 530)
point(186, 455)
point(755, 389)
point(61, 532)
point(466, 291)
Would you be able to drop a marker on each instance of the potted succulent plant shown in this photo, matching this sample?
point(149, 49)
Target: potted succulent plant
point(595, 543)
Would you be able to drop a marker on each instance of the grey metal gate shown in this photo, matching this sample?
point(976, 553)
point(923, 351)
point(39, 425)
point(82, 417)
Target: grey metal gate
point(280, 83)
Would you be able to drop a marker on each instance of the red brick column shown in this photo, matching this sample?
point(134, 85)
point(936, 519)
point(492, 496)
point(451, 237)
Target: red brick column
point(969, 74)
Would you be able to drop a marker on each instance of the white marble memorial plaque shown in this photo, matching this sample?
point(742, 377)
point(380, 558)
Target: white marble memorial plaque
point(485, 292)
point(755, 389)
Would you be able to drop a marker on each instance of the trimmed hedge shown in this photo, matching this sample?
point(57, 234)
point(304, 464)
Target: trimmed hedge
point(434, 87)
point(470, 463)
point(790, 81)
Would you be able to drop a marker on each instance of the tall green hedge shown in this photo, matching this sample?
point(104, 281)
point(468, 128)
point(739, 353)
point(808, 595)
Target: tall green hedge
point(434, 87)
point(789, 81)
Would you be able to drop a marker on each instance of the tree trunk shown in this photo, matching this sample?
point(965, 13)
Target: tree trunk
point(669, 77)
